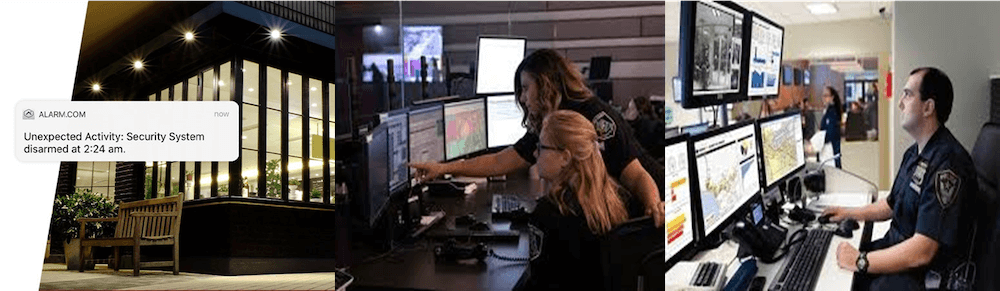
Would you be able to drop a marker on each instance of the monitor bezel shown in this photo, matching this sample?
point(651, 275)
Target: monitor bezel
point(697, 198)
point(479, 43)
point(754, 15)
point(372, 217)
point(760, 143)
point(686, 57)
point(444, 114)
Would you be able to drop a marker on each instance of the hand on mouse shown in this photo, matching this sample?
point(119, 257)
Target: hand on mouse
point(836, 214)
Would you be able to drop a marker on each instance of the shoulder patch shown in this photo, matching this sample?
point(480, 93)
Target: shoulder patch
point(604, 125)
point(946, 184)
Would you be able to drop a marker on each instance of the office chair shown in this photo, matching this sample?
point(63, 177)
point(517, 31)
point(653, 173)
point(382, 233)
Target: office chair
point(623, 251)
point(987, 240)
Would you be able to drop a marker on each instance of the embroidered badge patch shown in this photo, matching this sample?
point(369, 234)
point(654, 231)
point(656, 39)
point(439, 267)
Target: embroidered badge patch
point(947, 184)
point(604, 125)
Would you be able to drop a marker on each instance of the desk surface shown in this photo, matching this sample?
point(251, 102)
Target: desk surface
point(415, 267)
point(845, 190)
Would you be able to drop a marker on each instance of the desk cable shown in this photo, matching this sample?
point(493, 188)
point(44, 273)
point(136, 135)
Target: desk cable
point(534, 247)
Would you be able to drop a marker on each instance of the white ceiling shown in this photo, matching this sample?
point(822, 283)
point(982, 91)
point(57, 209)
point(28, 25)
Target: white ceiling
point(787, 13)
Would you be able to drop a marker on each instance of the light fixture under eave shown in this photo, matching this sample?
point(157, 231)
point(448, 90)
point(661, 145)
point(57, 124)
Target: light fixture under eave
point(96, 87)
point(137, 64)
point(275, 34)
point(821, 8)
point(189, 36)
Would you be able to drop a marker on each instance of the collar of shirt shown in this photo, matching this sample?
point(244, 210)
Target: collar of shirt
point(935, 143)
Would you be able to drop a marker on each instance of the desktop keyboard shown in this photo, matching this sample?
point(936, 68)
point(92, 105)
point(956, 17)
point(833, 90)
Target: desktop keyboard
point(504, 205)
point(803, 265)
point(705, 274)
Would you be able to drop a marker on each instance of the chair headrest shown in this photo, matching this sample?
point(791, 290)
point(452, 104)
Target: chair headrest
point(985, 154)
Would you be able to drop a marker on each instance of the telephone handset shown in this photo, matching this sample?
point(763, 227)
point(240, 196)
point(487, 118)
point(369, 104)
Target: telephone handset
point(760, 234)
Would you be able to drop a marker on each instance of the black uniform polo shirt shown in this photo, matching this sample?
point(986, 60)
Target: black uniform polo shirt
point(928, 197)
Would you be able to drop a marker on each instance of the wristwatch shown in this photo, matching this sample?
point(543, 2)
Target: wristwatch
point(862, 263)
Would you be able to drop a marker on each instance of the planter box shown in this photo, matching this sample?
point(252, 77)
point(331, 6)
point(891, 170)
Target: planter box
point(72, 253)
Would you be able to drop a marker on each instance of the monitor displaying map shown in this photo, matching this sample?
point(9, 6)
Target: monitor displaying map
point(781, 142)
point(727, 172)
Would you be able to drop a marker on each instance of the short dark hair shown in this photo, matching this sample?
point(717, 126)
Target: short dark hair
point(936, 85)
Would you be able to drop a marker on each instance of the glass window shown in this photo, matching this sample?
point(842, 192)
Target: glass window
point(250, 126)
point(85, 174)
point(295, 135)
point(251, 84)
point(249, 173)
point(205, 180)
point(273, 131)
point(208, 85)
point(152, 97)
point(178, 92)
point(188, 179)
point(193, 89)
point(165, 95)
point(316, 99)
point(223, 178)
point(294, 93)
point(295, 179)
point(148, 184)
point(175, 168)
point(273, 88)
point(224, 80)
point(161, 177)
point(273, 176)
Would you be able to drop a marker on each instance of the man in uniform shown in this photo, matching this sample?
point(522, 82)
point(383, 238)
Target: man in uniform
point(929, 235)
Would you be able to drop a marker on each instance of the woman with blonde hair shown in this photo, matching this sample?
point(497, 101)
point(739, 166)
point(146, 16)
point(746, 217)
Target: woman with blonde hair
point(543, 83)
point(583, 204)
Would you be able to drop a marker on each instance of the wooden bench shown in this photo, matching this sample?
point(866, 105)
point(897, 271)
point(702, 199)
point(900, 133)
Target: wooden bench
point(149, 222)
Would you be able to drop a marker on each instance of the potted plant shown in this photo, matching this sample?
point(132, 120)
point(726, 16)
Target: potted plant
point(65, 228)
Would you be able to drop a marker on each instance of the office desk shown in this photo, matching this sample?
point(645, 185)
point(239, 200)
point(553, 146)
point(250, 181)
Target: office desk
point(416, 269)
point(845, 189)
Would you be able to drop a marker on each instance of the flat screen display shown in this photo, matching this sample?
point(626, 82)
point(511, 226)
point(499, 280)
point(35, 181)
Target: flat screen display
point(498, 58)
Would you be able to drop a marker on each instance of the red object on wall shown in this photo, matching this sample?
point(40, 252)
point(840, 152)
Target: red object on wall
point(888, 85)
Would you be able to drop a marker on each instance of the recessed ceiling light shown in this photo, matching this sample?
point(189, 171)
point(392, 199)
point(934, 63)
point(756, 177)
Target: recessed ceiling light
point(275, 34)
point(378, 29)
point(189, 35)
point(312, 88)
point(250, 89)
point(137, 64)
point(314, 105)
point(244, 137)
point(96, 87)
point(221, 83)
point(289, 82)
point(821, 8)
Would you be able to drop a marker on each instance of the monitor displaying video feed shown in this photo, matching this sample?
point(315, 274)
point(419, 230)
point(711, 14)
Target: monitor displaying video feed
point(426, 135)
point(766, 44)
point(679, 219)
point(503, 121)
point(728, 177)
point(782, 146)
point(399, 149)
point(713, 55)
point(464, 128)
point(421, 41)
point(497, 60)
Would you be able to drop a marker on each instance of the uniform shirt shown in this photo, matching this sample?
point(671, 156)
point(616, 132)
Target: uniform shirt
point(618, 146)
point(929, 194)
point(570, 257)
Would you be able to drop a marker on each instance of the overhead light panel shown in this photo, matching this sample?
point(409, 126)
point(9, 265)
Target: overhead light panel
point(821, 8)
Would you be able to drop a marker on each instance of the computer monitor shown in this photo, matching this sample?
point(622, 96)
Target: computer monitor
point(503, 121)
point(766, 44)
point(781, 145)
point(713, 58)
point(399, 149)
point(464, 128)
point(680, 219)
point(496, 62)
point(377, 170)
point(426, 135)
point(727, 173)
point(695, 129)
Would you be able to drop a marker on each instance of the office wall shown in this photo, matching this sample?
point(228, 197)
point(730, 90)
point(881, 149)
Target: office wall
point(961, 39)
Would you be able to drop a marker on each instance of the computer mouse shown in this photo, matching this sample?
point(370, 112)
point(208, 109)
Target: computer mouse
point(465, 219)
point(825, 218)
point(479, 226)
point(846, 229)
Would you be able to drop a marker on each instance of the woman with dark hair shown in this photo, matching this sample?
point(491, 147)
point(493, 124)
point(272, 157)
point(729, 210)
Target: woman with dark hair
point(543, 83)
point(831, 119)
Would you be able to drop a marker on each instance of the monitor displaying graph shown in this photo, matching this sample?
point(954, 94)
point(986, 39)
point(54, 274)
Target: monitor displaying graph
point(465, 128)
